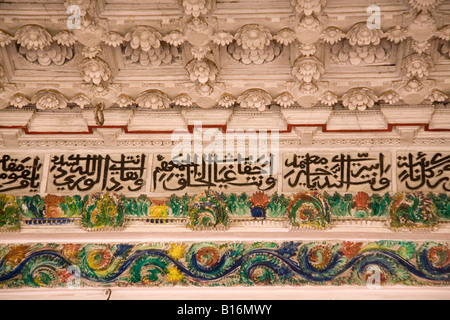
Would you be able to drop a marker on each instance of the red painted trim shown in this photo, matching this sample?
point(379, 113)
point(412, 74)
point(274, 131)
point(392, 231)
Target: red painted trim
point(224, 129)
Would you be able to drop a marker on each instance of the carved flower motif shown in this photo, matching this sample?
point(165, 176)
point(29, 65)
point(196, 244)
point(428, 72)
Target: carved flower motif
point(153, 99)
point(112, 39)
point(343, 52)
point(81, 100)
point(90, 52)
point(175, 38)
point(285, 100)
point(33, 37)
point(390, 97)
point(396, 34)
point(359, 98)
point(308, 7)
point(19, 100)
point(307, 49)
point(308, 69)
point(329, 99)
point(49, 100)
point(255, 99)
point(222, 38)
point(65, 38)
point(414, 85)
point(443, 33)
point(437, 96)
point(253, 37)
point(202, 70)
point(425, 4)
point(124, 101)
point(285, 36)
point(308, 88)
point(200, 53)
point(5, 39)
point(95, 71)
point(204, 89)
point(417, 65)
point(226, 100)
point(195, 7)
point(421, 47)
point(183, 100)
point(332, 35)
point(361, 35)
point(144, 38)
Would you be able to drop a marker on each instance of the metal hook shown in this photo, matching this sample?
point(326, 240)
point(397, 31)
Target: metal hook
point(99, 116)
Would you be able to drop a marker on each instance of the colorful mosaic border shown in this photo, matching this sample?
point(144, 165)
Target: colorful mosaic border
point(217, 211)
point(383, 263)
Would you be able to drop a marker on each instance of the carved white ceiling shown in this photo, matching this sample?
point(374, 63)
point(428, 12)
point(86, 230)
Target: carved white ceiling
point(222, 53)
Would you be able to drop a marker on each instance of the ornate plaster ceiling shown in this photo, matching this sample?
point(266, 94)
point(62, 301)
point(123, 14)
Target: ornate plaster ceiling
point(224, 54)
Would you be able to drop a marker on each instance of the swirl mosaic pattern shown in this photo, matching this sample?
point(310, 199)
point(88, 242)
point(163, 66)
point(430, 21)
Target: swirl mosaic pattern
point(225, 264)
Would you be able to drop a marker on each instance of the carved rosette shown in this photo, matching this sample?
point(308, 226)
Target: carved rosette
point(196, 7)
point(425, 4)
point(202, 71)
point(37, 45)
point(254, 45)
point(255, 99)
point(124, 101)
point(153, 99)
point(308, 69)
point(359, 98)
point(49, 100)
point(285, 100)
point(5, 39)
point(226, 101)
point(329, 99)
point(391, 97)
point(308, 7)
point(95, 71)
point(19, 100)
point(81, 100)
point(144, 45)
point(417, 65)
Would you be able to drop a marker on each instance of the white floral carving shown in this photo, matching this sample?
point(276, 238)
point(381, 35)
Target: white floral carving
point(124, 101)
point(414, 85)
point(33, 37)
point(425, 4)
point(307, 49)
point(175, 38)
point(200, 53)
point(222, 38)
point(65, 38)
point(329, 99)
point(95, 71)
point(285, 100)
point(113, 39)
point(255, 99)
point(421, 47)
point(183, 100)
point(196, 7)
point(204, 89)
point(144, 45)
point(308, 7)
point(49, 100)
point(308, 69)
point(253, 37)
point(443, 33)
point(153, 99)
point(417, 65)
point(361, 35)
point(5, 39)
point(19, 100)
point(437, 96)
point(202, 70)
point(81, 100)
point(37, 45)
point(285, 36)
point(391, 97)
point(308, 88)
point(226, 100)
point(332, 35)
point(359, 98)
point(90, 52)
point(396, 34)
point(343, 52)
